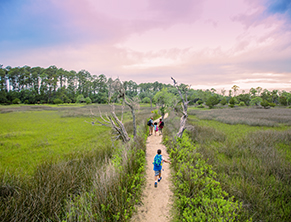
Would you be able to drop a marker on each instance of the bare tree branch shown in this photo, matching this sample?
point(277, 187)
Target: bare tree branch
point(184, 107)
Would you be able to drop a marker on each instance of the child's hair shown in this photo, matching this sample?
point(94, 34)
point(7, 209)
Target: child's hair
point(159, 151)
point(156, 123)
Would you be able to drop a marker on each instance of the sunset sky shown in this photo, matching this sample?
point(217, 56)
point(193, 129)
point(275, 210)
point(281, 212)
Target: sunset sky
point(206, 44)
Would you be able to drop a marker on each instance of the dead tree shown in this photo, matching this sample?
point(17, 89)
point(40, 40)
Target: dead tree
point(118, 86)
point(184, 107)
point(113, 122)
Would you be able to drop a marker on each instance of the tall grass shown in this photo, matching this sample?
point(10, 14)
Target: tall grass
point(98, 185)
point(197, 194)
point(253, 165)
point(28, 138)
point(248, 116)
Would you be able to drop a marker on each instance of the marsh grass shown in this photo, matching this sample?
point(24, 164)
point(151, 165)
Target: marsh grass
point(252, 164)
point(28, 138)
point(248, 116)
point(96, 182)
point(198, 196)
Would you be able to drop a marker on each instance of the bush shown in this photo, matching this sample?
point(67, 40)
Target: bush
point(256, 101)
point(223, 101)
point(265, 103)
point(200, 106)
point(146, 100)
point(58, 101)
point(16, 101)
point(272, 104)
point(242, 103)
point(80, 99)
point(199, 102)
point(88, 100)
point(231, 105)
point(233, 101)
point(283, 100)
point(198, 194)
point(212, 101)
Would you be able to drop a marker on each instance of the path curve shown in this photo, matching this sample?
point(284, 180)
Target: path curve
point(156, 202)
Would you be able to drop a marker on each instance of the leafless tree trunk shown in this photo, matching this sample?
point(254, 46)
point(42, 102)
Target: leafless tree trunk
point(117, 85)
point(113, 122)
point(184, 107)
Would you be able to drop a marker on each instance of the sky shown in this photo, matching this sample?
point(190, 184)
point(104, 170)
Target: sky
point(206, 44)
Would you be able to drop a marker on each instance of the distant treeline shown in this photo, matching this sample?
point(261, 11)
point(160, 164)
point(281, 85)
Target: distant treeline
point(36, 85)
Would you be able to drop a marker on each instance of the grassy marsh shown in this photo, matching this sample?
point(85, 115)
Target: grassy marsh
point(252, 160)
point(94, 181)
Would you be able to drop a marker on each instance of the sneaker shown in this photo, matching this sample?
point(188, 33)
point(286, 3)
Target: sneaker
point(156, 184)
point(159, 179)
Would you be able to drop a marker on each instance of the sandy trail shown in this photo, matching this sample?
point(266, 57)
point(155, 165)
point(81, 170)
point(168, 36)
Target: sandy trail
point(156, 202)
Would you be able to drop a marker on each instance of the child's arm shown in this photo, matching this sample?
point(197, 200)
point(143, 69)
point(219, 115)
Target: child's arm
point(166, 161)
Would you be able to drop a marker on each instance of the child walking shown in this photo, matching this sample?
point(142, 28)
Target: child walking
point(158, 161)
point(156, 128)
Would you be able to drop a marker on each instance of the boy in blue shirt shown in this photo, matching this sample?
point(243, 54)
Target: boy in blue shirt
point(158, 161)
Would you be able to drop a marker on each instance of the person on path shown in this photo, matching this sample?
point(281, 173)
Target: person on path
point(151, 126)
point(158, 161)
point(156, 128)
point(161, 126)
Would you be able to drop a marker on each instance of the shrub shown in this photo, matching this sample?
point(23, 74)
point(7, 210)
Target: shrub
point(272, 104)
point(256, 101)
point(16, 101)
point(88, 100)
point(80, 99)
point(58, 101)
point(233, 101)
point(265, 103)
point(146, 100)
point(212, 101)
point(231, 105)
point(200, 106)
point(26, 101)
point(242, 103)
point(283, 100)
point(198, 194)
point(199, 102)
point(223, 101)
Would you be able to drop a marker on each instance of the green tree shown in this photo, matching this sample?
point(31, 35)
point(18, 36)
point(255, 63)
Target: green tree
point(256, 101)
point(163, 99)
point(283, 100)
point(246, 98)
point(88, 100)
point(146, 100)
point(212, 101)
point(80, 99)
point(233, 101)
point(265, 103)
point(223, 101)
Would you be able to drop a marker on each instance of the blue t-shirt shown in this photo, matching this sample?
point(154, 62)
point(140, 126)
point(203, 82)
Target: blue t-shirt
point(158, 168)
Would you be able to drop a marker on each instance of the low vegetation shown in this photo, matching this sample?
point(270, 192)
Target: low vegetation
point(98, 181)
point(252, 162)
point(248, 116)
point(198, 194)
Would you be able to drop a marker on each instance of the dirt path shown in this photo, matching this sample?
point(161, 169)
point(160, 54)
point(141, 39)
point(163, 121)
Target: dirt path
point(156, 202)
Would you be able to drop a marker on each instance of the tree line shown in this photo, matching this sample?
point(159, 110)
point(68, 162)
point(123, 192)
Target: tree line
point(37, 85)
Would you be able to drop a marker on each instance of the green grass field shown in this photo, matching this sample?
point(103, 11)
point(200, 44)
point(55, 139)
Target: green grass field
point(31, 137)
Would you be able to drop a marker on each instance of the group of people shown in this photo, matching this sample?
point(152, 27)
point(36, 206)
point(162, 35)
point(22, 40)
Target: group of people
point(154, 126)
point(159, 159)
